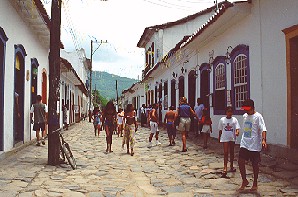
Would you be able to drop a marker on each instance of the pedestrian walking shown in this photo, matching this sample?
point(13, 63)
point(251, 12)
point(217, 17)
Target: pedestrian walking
point(199, 112)
point(39, 112)
point(143, 115)
point(64, 110)
point(252, 142)
point(228, 127)
point(184, 114)
point(96, 120)
point(153, 122)
point(131, 127)
point(120, 123)
point(109, 118)
point(207, 127)
point(169, 121)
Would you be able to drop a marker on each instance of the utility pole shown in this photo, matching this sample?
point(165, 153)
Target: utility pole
point(91, 59)
point(117, 94)
point(90, 91)
point(54, 83)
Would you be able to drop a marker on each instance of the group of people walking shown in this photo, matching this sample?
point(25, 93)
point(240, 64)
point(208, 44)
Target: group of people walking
point(253, 139)
point(124, 123)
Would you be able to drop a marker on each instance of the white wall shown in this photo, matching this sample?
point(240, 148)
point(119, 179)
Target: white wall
point(18, 33)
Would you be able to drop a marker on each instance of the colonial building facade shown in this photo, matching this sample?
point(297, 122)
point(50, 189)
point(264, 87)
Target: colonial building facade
point(246, 49)
point(24, 71)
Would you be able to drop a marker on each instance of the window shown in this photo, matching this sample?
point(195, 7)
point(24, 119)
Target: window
point(219, 97)
point(240, 76)
point(240, 80)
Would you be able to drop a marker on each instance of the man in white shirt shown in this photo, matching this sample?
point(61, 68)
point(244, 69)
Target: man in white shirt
point(252, 141)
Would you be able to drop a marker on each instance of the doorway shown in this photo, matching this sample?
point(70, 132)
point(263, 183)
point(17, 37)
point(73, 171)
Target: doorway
point(294, 91)
point(34, 72)
point(44, 87)
point(173, 93)
point(181, 87)
point(205, 84)
point(19, 84)
point(192, 88)
point(3, 40)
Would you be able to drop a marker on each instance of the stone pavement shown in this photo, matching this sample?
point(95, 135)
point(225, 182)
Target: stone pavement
point(157, 171)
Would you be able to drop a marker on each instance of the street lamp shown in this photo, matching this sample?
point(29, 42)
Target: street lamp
point(91, 54)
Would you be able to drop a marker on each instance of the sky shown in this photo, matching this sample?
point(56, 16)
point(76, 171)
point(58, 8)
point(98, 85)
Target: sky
point(120, 25)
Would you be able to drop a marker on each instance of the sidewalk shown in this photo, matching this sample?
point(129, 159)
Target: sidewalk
point(157, 171)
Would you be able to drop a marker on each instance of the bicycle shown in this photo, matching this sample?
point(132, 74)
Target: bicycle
point(66, 152)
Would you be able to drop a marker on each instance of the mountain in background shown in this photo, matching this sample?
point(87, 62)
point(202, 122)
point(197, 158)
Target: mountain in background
point(106, 84)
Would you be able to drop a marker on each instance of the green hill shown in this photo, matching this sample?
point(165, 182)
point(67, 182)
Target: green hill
point(106, 84)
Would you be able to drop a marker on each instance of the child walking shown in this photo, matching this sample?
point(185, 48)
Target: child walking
point(207, 127)
point(96, 120)
point(228, 127)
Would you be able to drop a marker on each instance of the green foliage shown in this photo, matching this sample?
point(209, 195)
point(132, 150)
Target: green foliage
point(106, 84)
point(98, 99)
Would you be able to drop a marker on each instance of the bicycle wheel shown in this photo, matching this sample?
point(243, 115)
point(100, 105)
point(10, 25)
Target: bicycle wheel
point(68, 154)
point(62, 155)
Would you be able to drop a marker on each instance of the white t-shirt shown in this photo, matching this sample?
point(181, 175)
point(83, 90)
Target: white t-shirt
point(253, 126)
point(228, 128)
point(120, 118)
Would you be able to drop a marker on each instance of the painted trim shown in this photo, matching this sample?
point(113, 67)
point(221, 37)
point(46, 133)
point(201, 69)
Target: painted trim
point(34, 61)
point(3, 36)
point(19, 49)
point(219, 60)
point(3, 39)
point(204, 66)
point(240, 49)
point(290, 33)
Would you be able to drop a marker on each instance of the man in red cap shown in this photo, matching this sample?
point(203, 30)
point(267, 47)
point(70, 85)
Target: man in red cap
point(252, 141)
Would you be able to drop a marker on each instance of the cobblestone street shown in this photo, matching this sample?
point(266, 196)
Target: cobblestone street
point(158, 171)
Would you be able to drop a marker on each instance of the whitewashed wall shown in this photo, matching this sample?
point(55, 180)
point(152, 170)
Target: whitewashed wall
point(19, 33)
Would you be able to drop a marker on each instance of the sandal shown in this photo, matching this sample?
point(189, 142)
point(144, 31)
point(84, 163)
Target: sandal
point(224, 174)
point(184, 150)
point(232, 170)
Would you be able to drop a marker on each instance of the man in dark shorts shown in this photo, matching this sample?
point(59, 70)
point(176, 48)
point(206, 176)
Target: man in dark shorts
point(252, 142)
point(39, 112)
point(171, 128)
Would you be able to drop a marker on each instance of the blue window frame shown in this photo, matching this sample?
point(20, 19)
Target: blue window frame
point(3, 40)
point(219, 85)
point(240, 76)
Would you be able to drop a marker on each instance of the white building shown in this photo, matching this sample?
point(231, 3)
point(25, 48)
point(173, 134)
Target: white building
point(134, 95)
point(24, 67)
point(74, 82)
point(24, 71)
point(247, 49)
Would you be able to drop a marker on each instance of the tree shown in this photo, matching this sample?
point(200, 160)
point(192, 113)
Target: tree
point(98, 99)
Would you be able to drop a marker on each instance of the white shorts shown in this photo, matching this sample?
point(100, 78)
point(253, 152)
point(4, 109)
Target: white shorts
point(153, 127)
point(206, 128)
point(184, 124)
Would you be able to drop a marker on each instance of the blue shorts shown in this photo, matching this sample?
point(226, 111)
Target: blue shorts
point(171, 129)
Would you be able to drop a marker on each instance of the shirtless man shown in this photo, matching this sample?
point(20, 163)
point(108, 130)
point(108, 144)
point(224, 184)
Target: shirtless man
point(153, 118)
point(171, 129)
